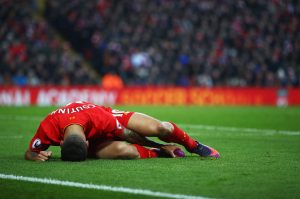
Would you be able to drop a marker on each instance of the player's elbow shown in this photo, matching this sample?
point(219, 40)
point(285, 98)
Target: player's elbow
point(28, 155)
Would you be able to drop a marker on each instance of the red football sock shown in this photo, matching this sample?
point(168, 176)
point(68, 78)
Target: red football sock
point(180, 137)
point(145, 153)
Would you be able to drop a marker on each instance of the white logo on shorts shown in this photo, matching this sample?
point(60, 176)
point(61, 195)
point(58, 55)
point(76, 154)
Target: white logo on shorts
point(119, 126)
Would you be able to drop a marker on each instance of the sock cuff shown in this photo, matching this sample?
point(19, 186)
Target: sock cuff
point(144, 152)
point(181, 137)
point(174, 125)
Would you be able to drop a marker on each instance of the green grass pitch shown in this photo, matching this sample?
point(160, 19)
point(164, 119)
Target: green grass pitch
point(260, 157)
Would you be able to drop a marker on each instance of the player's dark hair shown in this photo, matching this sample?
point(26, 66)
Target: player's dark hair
point(74, 148)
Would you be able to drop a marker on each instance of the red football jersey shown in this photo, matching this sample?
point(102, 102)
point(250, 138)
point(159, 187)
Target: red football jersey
point(98, 123)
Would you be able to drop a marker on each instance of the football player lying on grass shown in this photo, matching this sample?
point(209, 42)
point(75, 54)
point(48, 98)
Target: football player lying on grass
point(84, 130)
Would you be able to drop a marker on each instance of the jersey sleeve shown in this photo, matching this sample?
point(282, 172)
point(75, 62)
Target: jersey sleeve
point(40, 141)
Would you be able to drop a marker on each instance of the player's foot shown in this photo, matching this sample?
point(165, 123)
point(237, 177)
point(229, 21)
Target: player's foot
point(206, 151)
point(160, 153)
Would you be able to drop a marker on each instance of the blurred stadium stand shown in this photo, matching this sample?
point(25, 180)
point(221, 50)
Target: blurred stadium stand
point(31, 53)
point(152, 42)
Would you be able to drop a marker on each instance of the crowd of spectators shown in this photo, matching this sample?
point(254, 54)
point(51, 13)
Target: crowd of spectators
point(31, 54)
point(186, 42)
point(152, 42)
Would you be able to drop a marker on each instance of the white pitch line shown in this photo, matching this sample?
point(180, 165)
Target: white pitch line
point(100, 187)
point(235, 129)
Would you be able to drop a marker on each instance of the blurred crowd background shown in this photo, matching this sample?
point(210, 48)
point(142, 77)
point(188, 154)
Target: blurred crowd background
point(150, 42)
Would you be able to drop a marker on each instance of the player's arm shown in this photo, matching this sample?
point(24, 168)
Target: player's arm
point(37, 148)
point(37, 156)
point(135, 138)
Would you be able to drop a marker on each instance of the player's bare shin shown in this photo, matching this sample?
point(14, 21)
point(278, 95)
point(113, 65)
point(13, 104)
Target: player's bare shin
point(116, 150)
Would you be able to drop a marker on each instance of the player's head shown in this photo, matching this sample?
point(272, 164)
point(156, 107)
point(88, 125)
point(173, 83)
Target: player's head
point(74, 148)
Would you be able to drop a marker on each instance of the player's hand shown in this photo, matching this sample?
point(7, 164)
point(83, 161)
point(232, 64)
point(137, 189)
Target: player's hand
point(42, 156)
point(169, 150)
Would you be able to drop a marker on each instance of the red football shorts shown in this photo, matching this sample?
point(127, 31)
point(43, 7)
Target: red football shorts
point(96, 145)
point(122, 116)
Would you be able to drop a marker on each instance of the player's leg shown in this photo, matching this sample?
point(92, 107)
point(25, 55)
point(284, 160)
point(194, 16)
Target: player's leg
point(148, 126)
point(121, 150)
point(168, 132)
point(115, 150)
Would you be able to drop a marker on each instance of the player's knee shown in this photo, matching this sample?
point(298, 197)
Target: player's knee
point(120, 147)
point(125, 151)
point(163, 128)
